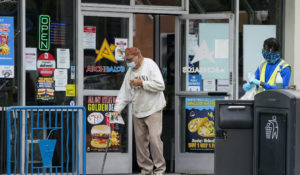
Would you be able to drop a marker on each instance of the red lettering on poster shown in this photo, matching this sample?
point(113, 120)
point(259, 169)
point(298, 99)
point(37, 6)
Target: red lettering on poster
point(46, 64)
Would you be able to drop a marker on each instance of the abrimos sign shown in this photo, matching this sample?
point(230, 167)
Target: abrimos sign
point(44, 32)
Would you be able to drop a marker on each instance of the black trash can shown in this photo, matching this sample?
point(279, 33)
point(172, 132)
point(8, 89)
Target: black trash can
point(276, 133)
point(234, 137)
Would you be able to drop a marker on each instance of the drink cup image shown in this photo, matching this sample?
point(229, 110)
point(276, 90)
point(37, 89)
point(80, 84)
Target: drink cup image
point(4, 38)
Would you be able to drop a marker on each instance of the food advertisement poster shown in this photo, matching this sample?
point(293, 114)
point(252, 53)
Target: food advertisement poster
point(121, 44)
point(200, 124)
point(6, 47)
point(98, 126)
point(45, 89)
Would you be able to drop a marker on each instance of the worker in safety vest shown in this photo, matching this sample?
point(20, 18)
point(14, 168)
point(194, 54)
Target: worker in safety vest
point(265, 74)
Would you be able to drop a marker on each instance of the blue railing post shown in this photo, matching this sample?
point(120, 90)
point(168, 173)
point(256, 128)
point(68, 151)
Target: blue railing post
point(8, 141)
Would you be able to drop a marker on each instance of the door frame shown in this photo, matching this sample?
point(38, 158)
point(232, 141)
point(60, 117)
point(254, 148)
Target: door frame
point(94, 160)
point(185, 161)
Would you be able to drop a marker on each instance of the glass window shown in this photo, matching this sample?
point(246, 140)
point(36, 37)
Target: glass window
point(205, 56)
point(105, 41)
point(50, 51)
point(10, 52)
point(205, 6)
point(159, 2)
point(50, 63)
point(261, 15)
point(117, 2)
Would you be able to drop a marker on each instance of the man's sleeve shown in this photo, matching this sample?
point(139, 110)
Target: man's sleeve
point(156, 82)
point(124, 96)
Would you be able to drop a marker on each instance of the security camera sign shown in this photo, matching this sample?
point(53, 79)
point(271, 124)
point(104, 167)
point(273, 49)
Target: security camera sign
point(46, 64)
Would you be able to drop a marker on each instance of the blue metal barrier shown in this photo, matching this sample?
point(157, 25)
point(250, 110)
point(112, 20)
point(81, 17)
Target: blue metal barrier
point(51, 136)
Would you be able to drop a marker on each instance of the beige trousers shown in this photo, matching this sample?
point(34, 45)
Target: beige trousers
point(147, 132)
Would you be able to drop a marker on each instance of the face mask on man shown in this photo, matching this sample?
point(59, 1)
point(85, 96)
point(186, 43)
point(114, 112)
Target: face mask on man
point(131, 64)
point(270, 56)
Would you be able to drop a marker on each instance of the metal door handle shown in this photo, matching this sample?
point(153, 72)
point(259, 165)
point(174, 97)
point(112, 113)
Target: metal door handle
point(236, 107)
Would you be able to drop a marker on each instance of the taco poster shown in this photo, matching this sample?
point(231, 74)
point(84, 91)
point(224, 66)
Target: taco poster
point(98, 128)
point(200, 125)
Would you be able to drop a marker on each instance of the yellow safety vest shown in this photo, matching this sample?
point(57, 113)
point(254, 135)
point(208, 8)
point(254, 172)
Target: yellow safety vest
point(262, 72)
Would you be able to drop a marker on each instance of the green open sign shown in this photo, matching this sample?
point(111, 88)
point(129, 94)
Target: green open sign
point(44, 32)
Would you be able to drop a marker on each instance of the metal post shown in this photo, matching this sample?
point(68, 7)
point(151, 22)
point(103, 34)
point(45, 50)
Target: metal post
point(236, 49)
point(157, 39)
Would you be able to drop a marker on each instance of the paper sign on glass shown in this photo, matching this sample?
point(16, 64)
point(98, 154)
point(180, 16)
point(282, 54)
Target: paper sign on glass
point(70, 90)
point(63, 58)
point(209, 85)
point(222, 85)
point(61, 79)
point(89, 37)
point(30, 59)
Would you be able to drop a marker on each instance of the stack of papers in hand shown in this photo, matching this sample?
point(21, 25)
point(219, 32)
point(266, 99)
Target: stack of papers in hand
point(117, 119)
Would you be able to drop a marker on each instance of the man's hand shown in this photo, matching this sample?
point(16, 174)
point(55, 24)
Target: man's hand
point(136, 82)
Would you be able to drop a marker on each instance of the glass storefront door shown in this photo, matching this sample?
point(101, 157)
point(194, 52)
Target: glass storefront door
point(203, 73)
point(104, 38)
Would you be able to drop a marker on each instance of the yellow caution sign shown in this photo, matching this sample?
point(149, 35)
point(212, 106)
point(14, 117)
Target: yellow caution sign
point(106, 51)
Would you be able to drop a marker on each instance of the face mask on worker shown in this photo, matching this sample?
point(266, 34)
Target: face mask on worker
point(270, 56)
point(131, 64)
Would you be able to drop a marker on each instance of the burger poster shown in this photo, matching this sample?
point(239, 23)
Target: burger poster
point(45, 88)
point(98, 126)
point(200, 125)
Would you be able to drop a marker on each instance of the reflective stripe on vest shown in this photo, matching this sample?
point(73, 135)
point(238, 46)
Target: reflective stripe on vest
point(262, 72)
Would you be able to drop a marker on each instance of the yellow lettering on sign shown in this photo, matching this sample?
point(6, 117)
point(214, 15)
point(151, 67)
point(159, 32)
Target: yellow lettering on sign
point(106, 52)
point(211, 115)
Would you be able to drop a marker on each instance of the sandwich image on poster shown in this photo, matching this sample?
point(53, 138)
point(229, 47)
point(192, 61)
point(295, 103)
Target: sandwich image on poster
point(45, 89)
point(200, 129)
point(100, 136)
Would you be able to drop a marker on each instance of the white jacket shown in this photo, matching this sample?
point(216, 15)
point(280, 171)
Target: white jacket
point(145, 100)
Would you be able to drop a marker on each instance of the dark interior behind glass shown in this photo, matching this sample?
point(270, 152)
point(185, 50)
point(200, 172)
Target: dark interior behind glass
point(59, 15)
